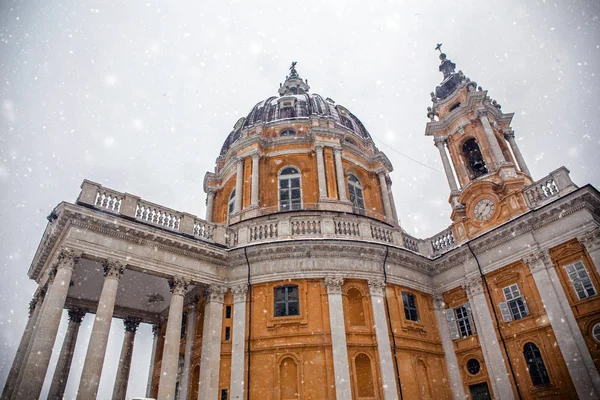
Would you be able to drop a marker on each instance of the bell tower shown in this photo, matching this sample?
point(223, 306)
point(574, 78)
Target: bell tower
point(483, 164)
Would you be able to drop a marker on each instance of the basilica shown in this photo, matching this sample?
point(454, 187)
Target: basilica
point(300, 283)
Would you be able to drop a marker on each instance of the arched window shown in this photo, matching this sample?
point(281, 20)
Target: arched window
point(287, 132)
point(356, 311)
point(474, 158)
point(294, 90)
point(286, 301)
point(290, 196)
point(596, 332)
point(288, 379)
point(535, 365)
point(346, 122)
point(231, 203)
point(364, 376)
point(356, 194)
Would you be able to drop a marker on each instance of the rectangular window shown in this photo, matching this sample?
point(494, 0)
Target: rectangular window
point(459, 321)
point(286, 301)
point(580, 279)
point(514, 307)
point(228, 312)
point(410, 306)
point(224, 394)
point(183, 324)
point(227, 333)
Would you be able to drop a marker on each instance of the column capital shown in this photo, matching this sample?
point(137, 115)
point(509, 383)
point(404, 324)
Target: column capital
point(334, 284)
point(473, 285)
point(211, 191)
point(440, 141)
point(67, 259)
point(590, 240)
point(131, 324)
point(438, 301)
point(178, 285)
point(156, 328)
point(481, 113)
point(215, 293)
point(509, 135)
point(255, 155)
point(113, 269)
point(538, 260)
point(319, 146)
point(193, 304)
point(376, 287)
point(76, 314)
point(337, 149)
point(239, 292)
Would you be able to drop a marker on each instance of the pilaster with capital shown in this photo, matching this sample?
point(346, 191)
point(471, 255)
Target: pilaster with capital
point(385, 197)
point(591, 241)
point(510, 138)
point(376, 287)
point(239, 182)
point(239, 292)
point(255, 179)
point(211, 341)
point(339, 173)
point(238, 355)
point(321, 171)
point(210, 201)
point(215, 293)
point(334, 284)
point(440, 143)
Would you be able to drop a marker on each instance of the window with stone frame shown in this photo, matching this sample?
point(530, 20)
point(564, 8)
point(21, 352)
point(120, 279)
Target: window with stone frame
point(460, 322)
point(231, 203)
point(580, 279)
point(290, 192)
point(356, 194)
point(411, 313)
point(535, 365)
point(286, 301)
point(514, 307)
point(287, 132)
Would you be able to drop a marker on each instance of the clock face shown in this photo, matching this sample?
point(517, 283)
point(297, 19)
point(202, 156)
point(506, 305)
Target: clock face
point(484, 209)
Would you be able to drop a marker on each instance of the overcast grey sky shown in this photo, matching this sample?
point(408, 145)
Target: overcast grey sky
point(139, 96)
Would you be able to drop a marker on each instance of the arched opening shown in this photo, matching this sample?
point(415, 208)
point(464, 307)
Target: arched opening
point(195, 382)
point(290, 194)
point(231, 203)
point(346, 122)
point(356, 310)
point(454, 107)
point(294, 90)
point(364, 376)
point(474, 158)
point(288, 379)
point(287, 132)
point(356, 194)
point(535, 365)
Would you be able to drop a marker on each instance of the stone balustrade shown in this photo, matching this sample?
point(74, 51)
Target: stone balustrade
point(442, 242)
point(556, 184)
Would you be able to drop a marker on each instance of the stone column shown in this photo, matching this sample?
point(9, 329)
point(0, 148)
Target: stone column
point(591, 241)
point(382, 333)
point(35, 370)
point(120, 389)
point(458, 390)
point(339, 173)
point(321, 172)
point(155, 332)
point(492, 354)
point(239, 186)
point(491, 138)
point(255, 180)
point(385, 195)
point(210, 199)
point(35, 306)
point(440, 144)
point(566, 330)
point(210, 361)
point(392, 202)
point(338, 337)
point(189, 343)
point(63, 366)
point(238, 356)
point(510, 137)
point(94, 358)
point(170, 358)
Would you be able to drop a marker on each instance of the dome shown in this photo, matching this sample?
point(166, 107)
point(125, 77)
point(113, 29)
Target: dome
point(295, 104)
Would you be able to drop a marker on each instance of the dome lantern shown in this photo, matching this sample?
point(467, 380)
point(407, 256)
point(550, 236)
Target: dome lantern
point(293, 83)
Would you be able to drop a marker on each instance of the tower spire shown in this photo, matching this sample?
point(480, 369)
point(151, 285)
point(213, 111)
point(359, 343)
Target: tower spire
point(451, 77)
point(293, 83)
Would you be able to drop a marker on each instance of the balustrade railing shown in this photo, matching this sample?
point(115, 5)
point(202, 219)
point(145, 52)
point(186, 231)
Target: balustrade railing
point(411, 243)
point(263, 231)
point(304, 226)
point(442, 242)
point(346, 228)
point(556, 184)
point(157, 215)
point(382, 234)
point(108, 200)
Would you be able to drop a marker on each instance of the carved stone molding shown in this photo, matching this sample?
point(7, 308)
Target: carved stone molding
point(178, 285)
point(77, 314)
point(538, 260)
point(376, 287)
point(67, 259)
point(590, 240)
point(239, 292)
point(215, 293)
point(113, 269)
point(33, 303)
point(334, 284)
point(440, 141)
point(473, 285)
point(131, 324)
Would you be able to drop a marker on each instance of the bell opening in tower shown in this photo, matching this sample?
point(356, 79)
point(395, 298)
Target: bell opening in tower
point(474, 158)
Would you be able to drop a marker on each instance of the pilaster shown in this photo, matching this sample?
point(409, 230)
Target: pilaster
point(591, 241)
point(211, 342)
point(238, 359)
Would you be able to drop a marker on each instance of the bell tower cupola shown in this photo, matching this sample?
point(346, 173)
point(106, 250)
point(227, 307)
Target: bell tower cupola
point(485, 169)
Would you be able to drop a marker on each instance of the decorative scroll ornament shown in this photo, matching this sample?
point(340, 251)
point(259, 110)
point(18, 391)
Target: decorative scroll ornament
point(77, 314)
point(334, 284)
point(239, 292)
point(178, 285)
point(538, 260)
point(590, 240)
point(131, 324)
point(113, 269)
point(215, 293)
point(473, 285)
point(376, 287)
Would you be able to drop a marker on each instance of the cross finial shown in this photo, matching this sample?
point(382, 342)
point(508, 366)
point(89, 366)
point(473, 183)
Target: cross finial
point(293, 65)
point(439, 47)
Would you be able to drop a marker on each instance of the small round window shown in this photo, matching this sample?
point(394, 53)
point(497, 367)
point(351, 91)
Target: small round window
point(473, 366)
point(596, 332)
